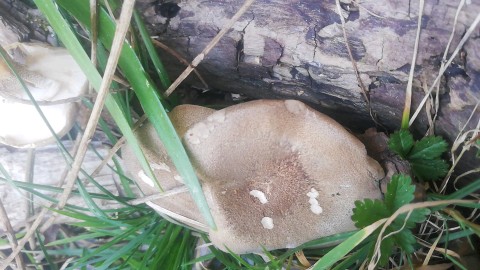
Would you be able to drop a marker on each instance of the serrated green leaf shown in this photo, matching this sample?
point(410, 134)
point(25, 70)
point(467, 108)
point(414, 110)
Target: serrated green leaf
point(368, 211)
point(386, 249)
point(401, 142)
point(419, 215)
point(406, 240)
point(431, 147)
point(416, 216)
point(400, 191)
point(429, 169)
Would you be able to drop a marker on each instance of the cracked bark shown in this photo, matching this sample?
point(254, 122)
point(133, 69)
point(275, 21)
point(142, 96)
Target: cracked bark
point(299, 45)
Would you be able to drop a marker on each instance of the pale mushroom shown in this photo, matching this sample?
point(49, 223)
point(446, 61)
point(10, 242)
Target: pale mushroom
point(276, 174)
point(180, 206)
point(55, 81)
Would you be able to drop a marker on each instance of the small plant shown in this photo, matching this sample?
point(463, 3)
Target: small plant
point(400, 191)
point(424, 156)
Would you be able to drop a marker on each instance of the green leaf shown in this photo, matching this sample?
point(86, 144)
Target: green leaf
point(429, 169)
point(423, 156)
point(368, 211)
point(400, 191)
point(386, 249)
point(430, 147)
point(401, 142)
point(406, 240)
point(159, 68)
point(416, 216)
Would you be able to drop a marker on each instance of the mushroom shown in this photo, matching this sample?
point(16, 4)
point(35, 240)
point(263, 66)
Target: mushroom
point(309, 168)
point(277, 174)
point(54, 79)
point(181, 206)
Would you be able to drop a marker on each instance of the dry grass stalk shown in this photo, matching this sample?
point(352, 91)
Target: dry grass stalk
point(209, 47)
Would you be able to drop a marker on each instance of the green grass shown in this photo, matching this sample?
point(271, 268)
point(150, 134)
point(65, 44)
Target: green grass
point(136, 237)
point(139, 80)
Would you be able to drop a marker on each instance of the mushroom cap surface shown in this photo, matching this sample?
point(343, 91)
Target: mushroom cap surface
point(52, 75)
point(277, 174)
point(182, 117)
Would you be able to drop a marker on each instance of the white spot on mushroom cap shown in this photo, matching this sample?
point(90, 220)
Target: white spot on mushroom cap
point(160, 166)
point(197, 132)
point(203, 129)
point(267, 223)
point(147, 180)
point(314, 206)
point(316, 209)
point(259, 195)
point(217, 117)
point(295, 106)
point(313, 193)
point(312, 201)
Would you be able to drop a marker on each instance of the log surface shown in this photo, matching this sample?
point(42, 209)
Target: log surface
point(296, 49)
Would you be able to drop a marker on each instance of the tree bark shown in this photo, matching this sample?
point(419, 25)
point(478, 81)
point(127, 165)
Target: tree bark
point(296, 49)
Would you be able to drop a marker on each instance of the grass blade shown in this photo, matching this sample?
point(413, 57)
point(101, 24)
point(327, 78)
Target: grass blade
point(346, 246)
point(149, 98)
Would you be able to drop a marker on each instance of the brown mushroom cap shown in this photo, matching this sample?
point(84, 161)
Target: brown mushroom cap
point(278, 173)
point(182, 204)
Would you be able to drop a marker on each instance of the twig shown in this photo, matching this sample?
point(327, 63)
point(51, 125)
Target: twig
point(444, 59)
point(10, 235)
point(408, 208)
point(432, 249)
point(29, 175)
point(408, 94)
point(365, 92)
point(456, 144)
point(350, 55)
point(209, 47)
point(180, 58)
point(166, 193)
point(64, 175)
point(367, 10)
point(117, 147)
point(26, 238)
point(428, 109)
point(177, 218)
